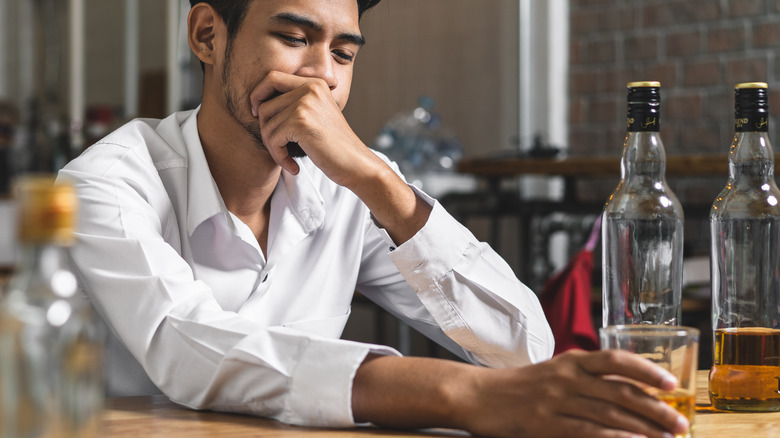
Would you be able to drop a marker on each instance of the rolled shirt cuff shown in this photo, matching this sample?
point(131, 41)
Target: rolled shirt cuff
point(321, 391)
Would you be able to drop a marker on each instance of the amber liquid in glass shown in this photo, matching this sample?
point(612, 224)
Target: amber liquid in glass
point(683, 401)
point(745, 375)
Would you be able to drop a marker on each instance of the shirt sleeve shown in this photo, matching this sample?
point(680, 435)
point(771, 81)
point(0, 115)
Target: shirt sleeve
point(466, 289)
point(198, 354)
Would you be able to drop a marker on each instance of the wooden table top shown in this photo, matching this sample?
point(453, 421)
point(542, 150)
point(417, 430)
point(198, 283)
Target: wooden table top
point(156, 416)
point(683, 165)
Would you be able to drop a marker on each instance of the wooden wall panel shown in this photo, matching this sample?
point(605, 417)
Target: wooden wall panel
point(462, 53)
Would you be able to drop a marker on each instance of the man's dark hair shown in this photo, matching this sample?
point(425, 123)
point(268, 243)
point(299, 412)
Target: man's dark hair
point(233, 11)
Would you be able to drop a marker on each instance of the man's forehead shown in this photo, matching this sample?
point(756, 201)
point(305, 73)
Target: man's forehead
point(337, 15)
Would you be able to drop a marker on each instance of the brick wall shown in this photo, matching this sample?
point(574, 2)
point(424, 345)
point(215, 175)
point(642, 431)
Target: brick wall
point(697, 49)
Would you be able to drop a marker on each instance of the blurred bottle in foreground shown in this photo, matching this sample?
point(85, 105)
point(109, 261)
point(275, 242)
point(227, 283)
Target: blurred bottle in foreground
point(745, 265)
point(642, 233)
point(9, 120)
point(51, 345)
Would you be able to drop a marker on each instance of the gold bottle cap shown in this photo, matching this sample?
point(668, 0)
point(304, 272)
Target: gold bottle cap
point(643, 84)
point(751, 85)
point(46, 210)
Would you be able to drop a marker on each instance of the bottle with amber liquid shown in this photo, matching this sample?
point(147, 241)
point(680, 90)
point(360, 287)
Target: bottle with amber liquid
point(642, 232)
point(51, 346)
point(745, 266)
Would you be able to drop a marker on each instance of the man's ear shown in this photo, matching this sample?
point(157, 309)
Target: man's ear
point(201, 31)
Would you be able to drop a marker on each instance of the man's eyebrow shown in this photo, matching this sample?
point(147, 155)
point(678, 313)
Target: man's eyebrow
point(300, 20)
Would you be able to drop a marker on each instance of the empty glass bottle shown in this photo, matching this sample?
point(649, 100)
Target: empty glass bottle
point(51, 383)
point(642, 233)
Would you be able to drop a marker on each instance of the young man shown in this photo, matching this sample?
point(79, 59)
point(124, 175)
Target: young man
point(227, 267)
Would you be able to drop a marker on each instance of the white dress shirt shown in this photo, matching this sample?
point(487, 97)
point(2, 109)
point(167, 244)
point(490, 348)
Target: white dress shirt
point(216, 324)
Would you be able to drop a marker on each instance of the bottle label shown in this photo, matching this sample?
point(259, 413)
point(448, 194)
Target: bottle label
point(751, 123)
point(643, 123)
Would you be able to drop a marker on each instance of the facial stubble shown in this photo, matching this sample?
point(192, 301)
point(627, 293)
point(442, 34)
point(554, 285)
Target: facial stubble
point(232, 97)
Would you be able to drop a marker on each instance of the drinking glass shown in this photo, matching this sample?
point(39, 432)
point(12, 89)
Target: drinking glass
point(673, 348)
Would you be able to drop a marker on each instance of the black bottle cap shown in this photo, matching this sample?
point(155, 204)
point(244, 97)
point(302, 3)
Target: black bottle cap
point(751, 107)
point(644, 102)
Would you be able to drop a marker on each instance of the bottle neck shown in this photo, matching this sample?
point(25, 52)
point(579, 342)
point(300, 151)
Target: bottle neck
point(751, 157)
point(643, 156)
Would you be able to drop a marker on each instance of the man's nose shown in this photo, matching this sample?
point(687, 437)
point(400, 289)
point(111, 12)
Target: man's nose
point(319, 64)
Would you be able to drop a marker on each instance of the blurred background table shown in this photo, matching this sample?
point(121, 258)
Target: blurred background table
point(495, 198)
point(589, 166)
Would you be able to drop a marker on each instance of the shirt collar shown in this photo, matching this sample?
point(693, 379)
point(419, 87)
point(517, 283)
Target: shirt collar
point(204, 200)
point(306, 202)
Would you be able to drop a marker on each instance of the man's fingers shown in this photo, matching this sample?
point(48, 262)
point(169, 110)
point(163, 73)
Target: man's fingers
point(579, 427)
point(609, 419)
point(289, 164)
point(272, 85)
point(279, 146)
point(629, 370)
point(628, 365)
point(278, 149)
point(621, 404)
point(281, 156)
point(256, 106)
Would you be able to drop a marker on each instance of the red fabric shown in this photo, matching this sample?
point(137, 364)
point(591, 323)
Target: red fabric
point(565, 299)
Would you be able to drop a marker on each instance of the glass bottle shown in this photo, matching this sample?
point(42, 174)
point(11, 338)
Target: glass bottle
point(642, 236)
point(745, 266)
point(51, 381)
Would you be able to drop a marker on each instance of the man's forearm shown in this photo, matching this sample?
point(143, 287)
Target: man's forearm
point(565, 396)
point(409, 392)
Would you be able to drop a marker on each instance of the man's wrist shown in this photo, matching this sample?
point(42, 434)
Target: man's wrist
point(394, 205)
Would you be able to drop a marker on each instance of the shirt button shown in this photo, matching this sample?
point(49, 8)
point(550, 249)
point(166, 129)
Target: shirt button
point(392, 248)
point(265, 278)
